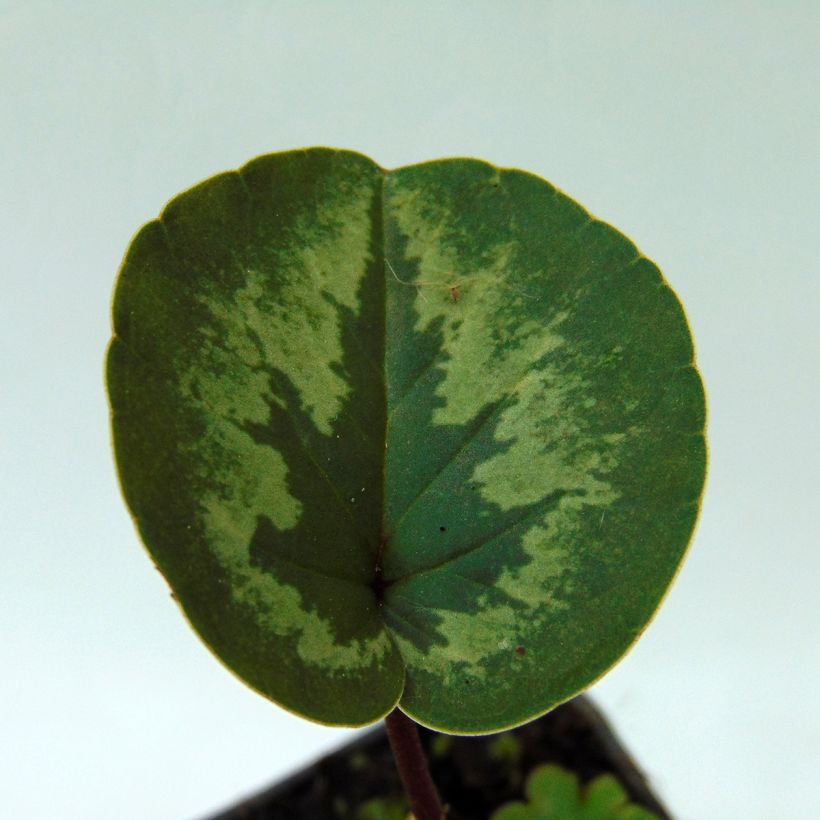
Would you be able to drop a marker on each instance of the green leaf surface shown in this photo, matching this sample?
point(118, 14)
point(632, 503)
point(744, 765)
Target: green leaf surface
point(555, 794)
point(431, 436)
point(383, 808)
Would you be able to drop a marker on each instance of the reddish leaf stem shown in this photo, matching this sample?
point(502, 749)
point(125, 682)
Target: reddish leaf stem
point(412, 765)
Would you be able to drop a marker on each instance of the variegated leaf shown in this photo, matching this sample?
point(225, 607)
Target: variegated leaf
point(431, 436)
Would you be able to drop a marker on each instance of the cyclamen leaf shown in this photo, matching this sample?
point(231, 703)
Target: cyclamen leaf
point(431, 436)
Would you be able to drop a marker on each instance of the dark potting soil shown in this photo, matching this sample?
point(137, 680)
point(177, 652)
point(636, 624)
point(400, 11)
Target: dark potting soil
point(474, 775)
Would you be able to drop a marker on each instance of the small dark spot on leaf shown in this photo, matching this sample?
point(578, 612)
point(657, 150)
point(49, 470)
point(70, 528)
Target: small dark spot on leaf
point(442, 529)
point(519, 650)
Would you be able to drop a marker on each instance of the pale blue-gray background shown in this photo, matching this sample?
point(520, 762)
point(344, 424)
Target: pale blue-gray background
point(693, 127)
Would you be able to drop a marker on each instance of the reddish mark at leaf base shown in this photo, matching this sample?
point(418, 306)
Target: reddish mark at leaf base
point(520, 651)
point(454, 292)
point(379, 585)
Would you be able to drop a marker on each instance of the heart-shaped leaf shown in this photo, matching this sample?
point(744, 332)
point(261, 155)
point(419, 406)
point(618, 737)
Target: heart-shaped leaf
point(431, 436)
